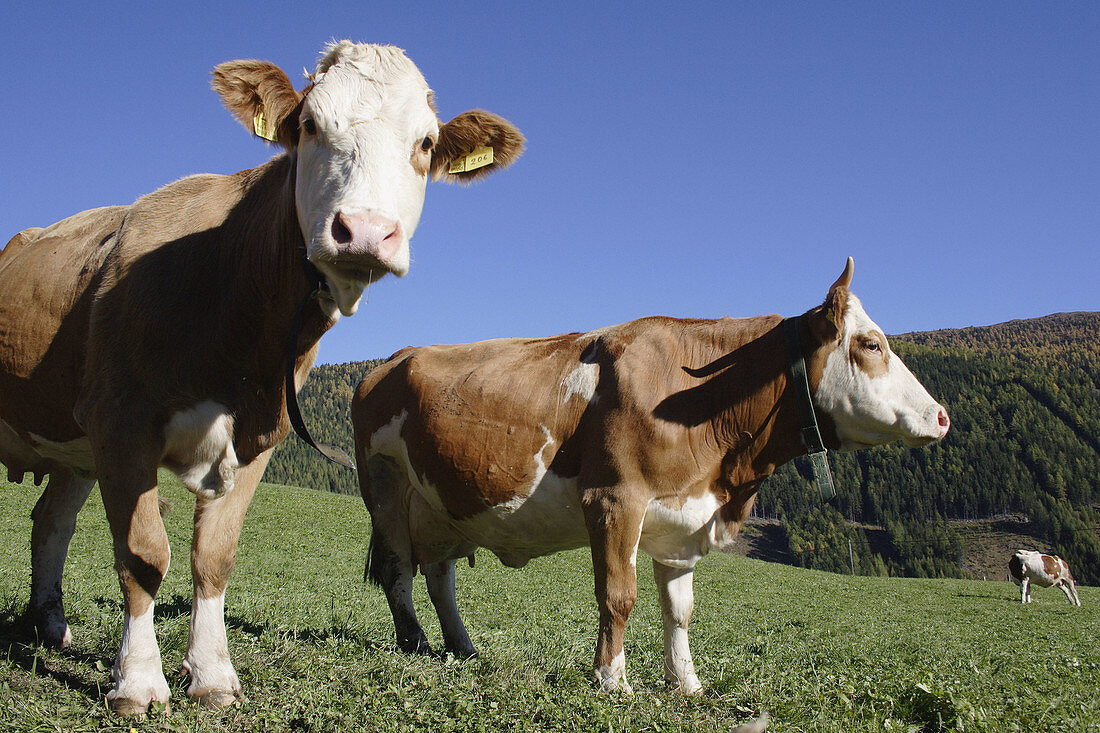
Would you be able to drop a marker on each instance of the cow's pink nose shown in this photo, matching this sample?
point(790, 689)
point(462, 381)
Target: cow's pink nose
point(367, 234)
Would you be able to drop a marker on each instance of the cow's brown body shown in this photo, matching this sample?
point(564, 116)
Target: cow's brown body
point(653, 435)
point(485, 413)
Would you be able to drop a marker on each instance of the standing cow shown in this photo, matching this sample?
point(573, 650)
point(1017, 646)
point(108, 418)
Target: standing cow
point(1029, 566)
point(651, 435)
point(149, 335)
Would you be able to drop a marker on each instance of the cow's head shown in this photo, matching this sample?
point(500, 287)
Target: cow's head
point(871, 396)
point(367, 138)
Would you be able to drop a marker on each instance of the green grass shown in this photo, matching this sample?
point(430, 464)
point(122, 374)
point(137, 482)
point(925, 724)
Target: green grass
point(314, 646)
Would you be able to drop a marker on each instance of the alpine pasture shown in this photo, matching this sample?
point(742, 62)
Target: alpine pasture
point(314, 645)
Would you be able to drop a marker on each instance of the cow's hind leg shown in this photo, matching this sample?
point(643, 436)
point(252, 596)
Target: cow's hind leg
point(390, 557)
point(218, 523)
point(674, 587)
point(440, 578)
point(394, 574)
point(54, 521)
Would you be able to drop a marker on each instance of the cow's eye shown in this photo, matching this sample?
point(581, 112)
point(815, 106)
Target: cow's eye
point(309, 126)
point(426, 144)
point(872, 346)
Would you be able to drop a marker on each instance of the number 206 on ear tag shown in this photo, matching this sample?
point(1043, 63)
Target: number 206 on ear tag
point(480, 158)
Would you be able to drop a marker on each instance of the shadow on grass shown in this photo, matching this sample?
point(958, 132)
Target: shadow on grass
point(19, 637)
point(180, 607)
point(986, 596)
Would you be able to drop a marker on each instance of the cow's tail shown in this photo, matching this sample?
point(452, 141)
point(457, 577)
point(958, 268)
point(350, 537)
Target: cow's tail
point(380, 554)
point(377, 554)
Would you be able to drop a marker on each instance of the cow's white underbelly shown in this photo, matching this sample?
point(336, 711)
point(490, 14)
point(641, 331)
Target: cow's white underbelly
point(75, 454)
point(32, 454)
point(545, 521)
point(550, 520)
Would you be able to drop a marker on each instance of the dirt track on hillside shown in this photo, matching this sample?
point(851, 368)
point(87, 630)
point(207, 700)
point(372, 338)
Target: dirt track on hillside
point(989, 543)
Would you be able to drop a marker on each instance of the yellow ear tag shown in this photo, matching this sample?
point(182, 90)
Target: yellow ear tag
point(480, 158)
point(262, 127)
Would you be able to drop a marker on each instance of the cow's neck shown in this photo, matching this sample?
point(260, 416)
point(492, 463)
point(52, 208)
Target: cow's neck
point(261, 242)
point(758, 431)
point(263, 258)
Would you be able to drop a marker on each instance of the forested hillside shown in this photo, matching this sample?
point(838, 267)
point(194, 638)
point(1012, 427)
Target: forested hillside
point(326, 406)
point(1024, 399)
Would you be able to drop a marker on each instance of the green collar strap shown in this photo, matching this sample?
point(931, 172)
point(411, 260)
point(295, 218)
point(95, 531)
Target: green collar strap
point(809, 432)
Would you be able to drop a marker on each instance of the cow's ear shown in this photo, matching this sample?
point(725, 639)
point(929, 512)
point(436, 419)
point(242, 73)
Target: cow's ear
point(261, 97)
point(474, 145)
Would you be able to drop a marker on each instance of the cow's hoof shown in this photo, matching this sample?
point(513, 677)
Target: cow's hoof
point(415, 646)
point(56, 636)
point(464, 654)
point(615, 686)
point(686, 687)
point(754, 726)
point(219, 699)
point(128, 707)
point(49, 627)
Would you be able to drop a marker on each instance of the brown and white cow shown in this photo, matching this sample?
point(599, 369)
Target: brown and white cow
point(1028, 566)
point(154, 334)
point(651, 435)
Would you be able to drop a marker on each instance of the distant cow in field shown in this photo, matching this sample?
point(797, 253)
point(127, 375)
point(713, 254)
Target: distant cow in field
point(653, 435)
point(156, 334)
point(1029, 566)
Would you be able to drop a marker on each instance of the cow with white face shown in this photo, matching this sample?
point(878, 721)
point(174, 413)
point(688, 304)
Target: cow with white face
point(155, 334)
point(653, 435)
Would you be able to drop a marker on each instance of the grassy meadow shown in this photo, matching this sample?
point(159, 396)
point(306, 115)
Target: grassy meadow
point(314, 648)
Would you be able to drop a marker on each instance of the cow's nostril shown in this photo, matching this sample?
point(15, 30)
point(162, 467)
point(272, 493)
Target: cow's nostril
point(943, 419)
point(340, 232)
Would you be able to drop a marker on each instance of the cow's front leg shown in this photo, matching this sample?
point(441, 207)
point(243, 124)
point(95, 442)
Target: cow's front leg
point(218, 525)
point(54, 518)
point(1025, 588)
point(614, 527)
point(141, 558)
point(674, 586)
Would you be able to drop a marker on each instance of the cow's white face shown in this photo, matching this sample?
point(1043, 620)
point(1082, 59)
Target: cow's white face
point(367, 129)
point(869, 393)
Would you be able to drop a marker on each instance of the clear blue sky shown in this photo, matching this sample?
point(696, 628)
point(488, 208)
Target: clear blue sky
point(688, 159)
